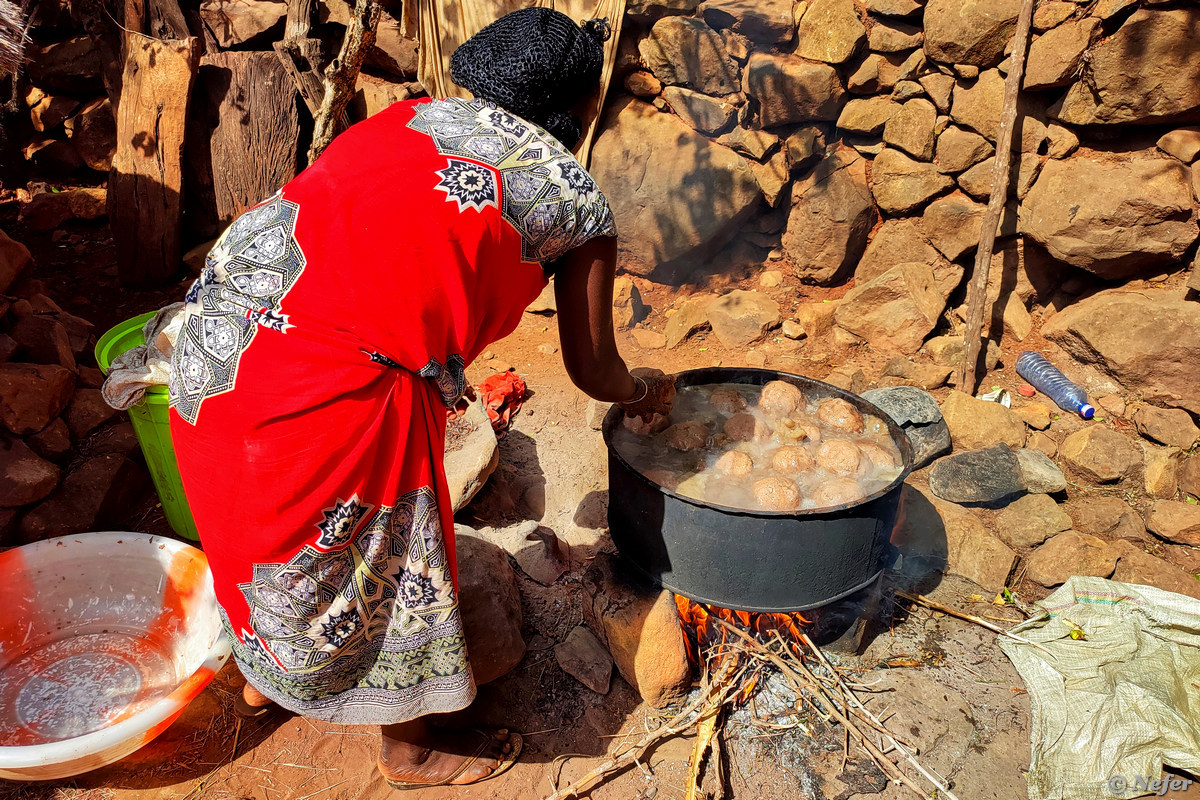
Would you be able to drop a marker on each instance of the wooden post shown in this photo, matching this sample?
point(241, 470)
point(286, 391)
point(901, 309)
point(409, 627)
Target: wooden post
point(342, 74)
point(253, 127)
point(145, 185)
point(977, 295)
point(304, 59)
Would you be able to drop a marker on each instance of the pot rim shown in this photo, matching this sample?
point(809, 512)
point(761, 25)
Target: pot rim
point(707, 375)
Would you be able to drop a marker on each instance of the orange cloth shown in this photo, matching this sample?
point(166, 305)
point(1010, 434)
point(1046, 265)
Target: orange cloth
point(502, 395)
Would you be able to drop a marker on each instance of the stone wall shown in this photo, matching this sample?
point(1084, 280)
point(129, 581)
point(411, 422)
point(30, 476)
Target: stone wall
point(843, 139)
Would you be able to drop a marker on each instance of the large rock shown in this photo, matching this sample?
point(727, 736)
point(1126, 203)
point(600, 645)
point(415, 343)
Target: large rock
point(72, 65)
point(490, 603)
point(1147, 71)
point(891, 36)
point(1170, 426)
point(959, 149)
point(91, 496)
point(1151, 344)
point(684, 51)
point(912, 129)
point(918, 414)
point(1054, 56)
point(742, 317)
point(979, 106)
point(93, 132)
point(475, 458)
point(976, 423)
point(969, 31)
point(1110, 516)
point(43, 340)
point(1183, 143)
point(896, 311)
point(867, 115)
point(686, 196)
point(1115, 214)
point(901, 184)
point(87, 412)
point(1136, 566)
point(24, 476)
point(14, 260)
point(393, 52)
point(1101, 455)
point(1070, 553)
point(640, 627)
point(877, 72)
point(628, 308)
point(583, 657)
point(902, 241)
point(830, 31)
point(1175, 521)
point(53, 442)
point(953, 224)
point(690, 317)
point(986, 476)
point(47, 209)
point(1160, 471)
point(830, 218)
point(791, 90)
point(31, 395)
point(1022, 172)
point(703, 113)
point(1039, 474)
point(763, 21)
point(373, 94)
point(1189, 476)
point(243, 23)
point(1031, 519)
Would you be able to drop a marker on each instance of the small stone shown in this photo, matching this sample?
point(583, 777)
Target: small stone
point(43, 340)
point(829, 31)
point(596, 412)
point(756, 359)
point(640, 627)
point(763, 21)
point(1061, 141)
point(849, 379)
point(790, 90)
point(490, 604)
point(742, 317)
point(91, 377)
point(1113, 403)
point(32, 395)
point(770, 279)
point(1160, 471)
point(690, 317)
point(959, 149)
point(912, 128)
point(1035, 415)
point(1183, 143)
point(1054, 57)
point(895, 311)
point(939, 87)
point(983, 559)
point(773, 177)
point(894, 8)
point(1030, 520)
point(628, 308)
point(1051, 14)
point(1025, 390)
point(901, 184)
point(948, 350)
point(93, 133)
point(924, 376)
point(52, 442)
point(1189, 476)
point(918, 414)
point(119, 438)
point(802, 145)
point(87, 412)
point(1042, 443)
point(755, 144)
point(1169, 426)
point(643, 84)
point(583, 657)
point(1070, 553)
point(905, 91)
point(1136, 566)
point(706, 114)
point(952, 224)
point(976, 424)
point(1101, 455)
point(985, 476)
point(547, 349)
point(1175, 521)
point(1108, 516)
point(475, 459)
point(868, 115)
point(25, 477)
point(816, 318)
point(793, 329)
point(537, 550)
point(891, 36)
point(648, 339)
point(977, 181)
point(544, 303)
point(1039, 474)
point(239, 22)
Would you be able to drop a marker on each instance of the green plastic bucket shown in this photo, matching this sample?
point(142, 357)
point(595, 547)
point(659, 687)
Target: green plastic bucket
point(152, 427)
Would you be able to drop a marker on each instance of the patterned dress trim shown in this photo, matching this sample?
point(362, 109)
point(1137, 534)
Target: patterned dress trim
point(496, 159)
point(362, 625)
point(241, 288)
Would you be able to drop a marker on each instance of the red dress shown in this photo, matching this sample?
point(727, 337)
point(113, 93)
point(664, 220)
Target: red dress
point(323, 341)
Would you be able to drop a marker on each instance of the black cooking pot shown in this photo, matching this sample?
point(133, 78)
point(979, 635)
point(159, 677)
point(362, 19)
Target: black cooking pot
point(752, 560)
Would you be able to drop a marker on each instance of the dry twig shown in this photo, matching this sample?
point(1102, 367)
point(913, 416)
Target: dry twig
point(954, 612)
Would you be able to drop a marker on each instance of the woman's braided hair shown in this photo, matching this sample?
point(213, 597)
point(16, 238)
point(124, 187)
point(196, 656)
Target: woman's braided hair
point(536, 63)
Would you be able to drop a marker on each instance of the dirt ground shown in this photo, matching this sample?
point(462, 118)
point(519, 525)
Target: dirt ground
point(948, 686)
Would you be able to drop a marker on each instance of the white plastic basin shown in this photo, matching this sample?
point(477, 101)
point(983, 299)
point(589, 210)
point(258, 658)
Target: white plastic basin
point(104, 640)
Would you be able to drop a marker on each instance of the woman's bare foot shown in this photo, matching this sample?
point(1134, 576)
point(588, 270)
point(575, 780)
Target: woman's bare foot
point(415, 752)
point(252, 704)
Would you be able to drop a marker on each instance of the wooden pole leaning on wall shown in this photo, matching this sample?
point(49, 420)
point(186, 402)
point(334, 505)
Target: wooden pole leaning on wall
point(977, 293)
point(341, 75)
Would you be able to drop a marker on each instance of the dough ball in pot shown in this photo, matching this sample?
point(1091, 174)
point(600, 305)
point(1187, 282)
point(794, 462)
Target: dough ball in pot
point(780, 398)
point(878, 455)
point(735, 463)
point(664, 478)
point(636, 425)
point(747, 428)
point(777, 494)
point(836, 491)
point(791, 459)
point(837, 413)
point(839, 456)
point(687, 436)
point(797, 429)
point(727, 401)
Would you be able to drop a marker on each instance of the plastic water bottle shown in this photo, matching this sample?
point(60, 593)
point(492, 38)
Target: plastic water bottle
point(1047, 378)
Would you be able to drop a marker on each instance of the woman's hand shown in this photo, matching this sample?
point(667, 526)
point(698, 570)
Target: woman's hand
point(655, 394)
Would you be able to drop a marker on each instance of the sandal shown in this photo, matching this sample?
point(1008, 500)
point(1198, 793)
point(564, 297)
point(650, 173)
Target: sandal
point(506, 761)
point(246, 711)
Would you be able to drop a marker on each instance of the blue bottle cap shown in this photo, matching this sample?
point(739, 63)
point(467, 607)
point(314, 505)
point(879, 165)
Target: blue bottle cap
point(1086, 411)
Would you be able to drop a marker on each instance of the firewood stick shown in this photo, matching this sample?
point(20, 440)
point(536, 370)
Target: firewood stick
point(708, 729)
point(977, 300)
point(342, 73)
point(954, 612)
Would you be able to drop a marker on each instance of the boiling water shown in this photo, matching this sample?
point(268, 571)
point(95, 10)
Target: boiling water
point(82, 680)
point(693, 473)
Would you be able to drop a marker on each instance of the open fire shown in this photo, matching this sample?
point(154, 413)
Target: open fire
point(704, 637)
